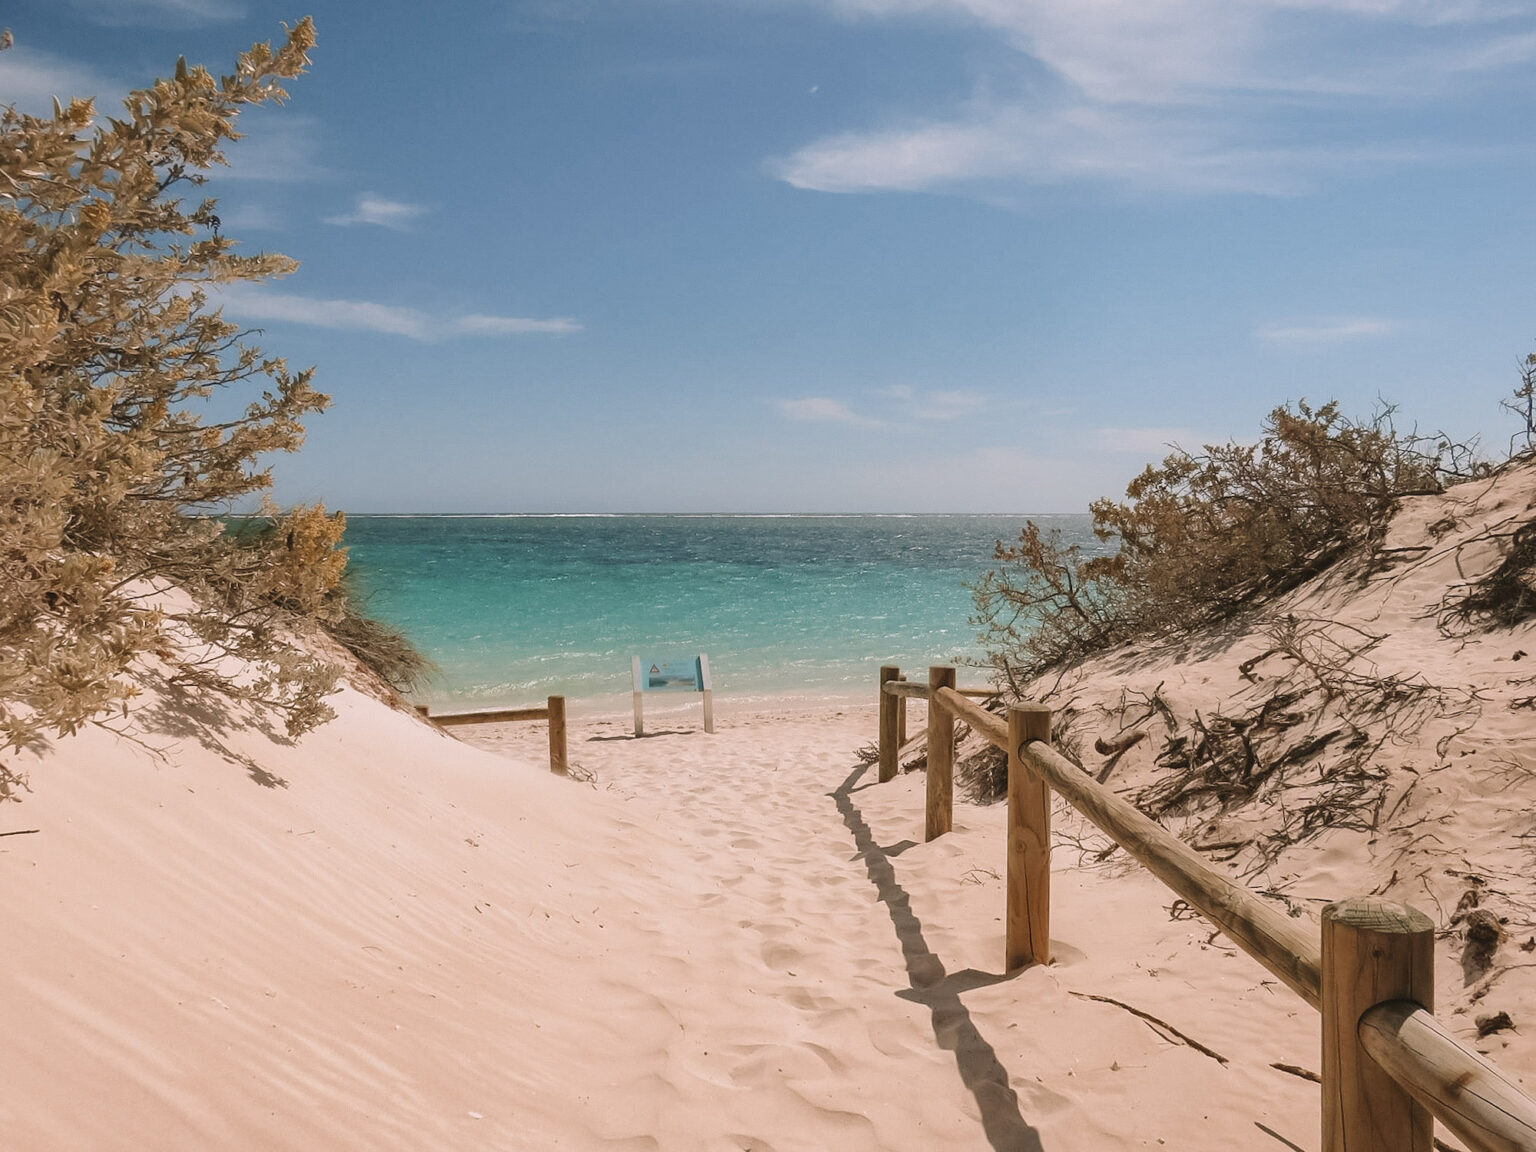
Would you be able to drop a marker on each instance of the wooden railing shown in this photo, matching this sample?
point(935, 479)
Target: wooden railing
point(553, 711)
point(1388, 1065)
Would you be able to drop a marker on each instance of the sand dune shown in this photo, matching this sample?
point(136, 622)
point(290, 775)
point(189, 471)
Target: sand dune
point(382, 937)
point(723, 942)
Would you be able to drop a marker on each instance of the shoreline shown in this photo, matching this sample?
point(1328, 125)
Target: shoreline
point(615, 709)
point(612, 706)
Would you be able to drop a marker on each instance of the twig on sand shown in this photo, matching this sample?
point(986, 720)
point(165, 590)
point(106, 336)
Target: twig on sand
point(21, 832)
point(1153, 1020)
point(1297, 1070)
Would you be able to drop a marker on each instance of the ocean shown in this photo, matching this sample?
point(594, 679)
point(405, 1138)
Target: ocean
point(516, 608)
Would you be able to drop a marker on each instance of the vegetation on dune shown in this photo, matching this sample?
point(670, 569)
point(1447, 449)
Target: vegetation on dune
point(1203, 534)
point(133, 417)
point(1315, 735)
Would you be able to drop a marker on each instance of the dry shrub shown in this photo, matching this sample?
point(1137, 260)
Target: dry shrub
point(983, 774)
point(1202, 535)
point(1507, 595)
point(381, 648)
point(116, 468)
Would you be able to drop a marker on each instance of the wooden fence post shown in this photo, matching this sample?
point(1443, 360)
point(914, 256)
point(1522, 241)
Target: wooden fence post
point(1027, 932)
point(941, 754)
point(1373, 951)
point(901, 719)
point(557, 761)
point(889, 735)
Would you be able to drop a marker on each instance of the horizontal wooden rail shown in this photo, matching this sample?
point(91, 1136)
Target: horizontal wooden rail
point(1388, 1064)
point(992, 728)
point(920, 691)
point(1271, 938)
point(553, 711)
point(1477, 1102)
point(503, 716)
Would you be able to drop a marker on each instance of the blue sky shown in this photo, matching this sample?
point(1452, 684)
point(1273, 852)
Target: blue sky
point(853, 255)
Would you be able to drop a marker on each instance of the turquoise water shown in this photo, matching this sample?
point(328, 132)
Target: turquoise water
point(516, 608)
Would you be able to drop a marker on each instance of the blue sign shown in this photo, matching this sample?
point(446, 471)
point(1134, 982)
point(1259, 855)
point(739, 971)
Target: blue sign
point(685, 674)
point(674, 674)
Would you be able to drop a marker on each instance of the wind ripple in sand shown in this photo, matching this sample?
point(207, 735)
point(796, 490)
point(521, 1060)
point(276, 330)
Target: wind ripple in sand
point(730, 943)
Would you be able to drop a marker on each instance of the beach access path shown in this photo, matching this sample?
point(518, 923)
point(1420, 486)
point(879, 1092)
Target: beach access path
point(818, 978)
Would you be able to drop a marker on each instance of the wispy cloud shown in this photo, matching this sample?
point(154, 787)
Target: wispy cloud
point(477, 325)
point(1176, 95)
point(31, 80)
point(1338, 330)
point(117, 13)
point(1132, 148)
point(249, 304)
point(285, 148)
point(825, 410)
point(372, 208)
point(248, 217)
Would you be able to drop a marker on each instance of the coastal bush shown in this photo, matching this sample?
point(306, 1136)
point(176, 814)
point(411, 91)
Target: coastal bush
point(133, 417)
point(1203, 534)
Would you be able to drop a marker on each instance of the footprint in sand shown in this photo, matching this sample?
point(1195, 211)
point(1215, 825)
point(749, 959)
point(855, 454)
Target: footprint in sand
point(781, 956)
point(736, 1142)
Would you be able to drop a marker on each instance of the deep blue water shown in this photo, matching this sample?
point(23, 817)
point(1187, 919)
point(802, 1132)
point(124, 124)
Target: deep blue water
point(515, 608)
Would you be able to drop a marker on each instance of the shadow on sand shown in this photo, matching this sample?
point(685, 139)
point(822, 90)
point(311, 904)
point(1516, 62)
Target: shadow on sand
point(179, 713)
point(939, 991)
point(643, 735)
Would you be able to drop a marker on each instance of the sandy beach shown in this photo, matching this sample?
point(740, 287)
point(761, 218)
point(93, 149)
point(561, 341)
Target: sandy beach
point(386, 936)
point(729, 356)
point(719, 942)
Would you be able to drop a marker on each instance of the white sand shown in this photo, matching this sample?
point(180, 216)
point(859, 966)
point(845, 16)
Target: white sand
point(729, 942)
point(383, 938)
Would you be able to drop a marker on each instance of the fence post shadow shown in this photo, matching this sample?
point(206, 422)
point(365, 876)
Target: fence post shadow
point(939, 991)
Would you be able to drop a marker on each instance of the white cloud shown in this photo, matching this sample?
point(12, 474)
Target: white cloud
point(1137, 148)
point(159, 12)
point(1174, 95)
point(477, 325)
point(237, 218)
point(250, 304)
point(31, 80)
point(349, 315)
point(375, 209)
point(1140, 441)
point(1326, 332)
point(278, 146)
point(824, 410)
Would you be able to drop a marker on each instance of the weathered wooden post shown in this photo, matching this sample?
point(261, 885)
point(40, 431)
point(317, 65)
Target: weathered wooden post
point(901, 718)
point(941, 754)
point(1027, 923)
point(890, 740)
point(1373, 951)
point(557, 761)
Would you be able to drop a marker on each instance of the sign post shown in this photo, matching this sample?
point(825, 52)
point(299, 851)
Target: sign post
point(673, 674)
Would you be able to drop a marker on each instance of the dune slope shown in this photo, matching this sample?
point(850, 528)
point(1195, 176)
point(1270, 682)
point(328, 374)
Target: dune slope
point(383, 937)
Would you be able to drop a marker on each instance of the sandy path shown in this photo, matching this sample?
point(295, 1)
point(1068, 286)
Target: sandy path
point(891, 1025)
point(726, 943)
point(785, 972)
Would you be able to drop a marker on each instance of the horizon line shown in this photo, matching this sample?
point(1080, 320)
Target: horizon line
point(691, 515)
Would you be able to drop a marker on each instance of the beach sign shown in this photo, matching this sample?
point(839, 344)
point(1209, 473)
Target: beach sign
point(671, 674)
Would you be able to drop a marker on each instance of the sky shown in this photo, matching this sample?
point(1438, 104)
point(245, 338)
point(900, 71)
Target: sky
point(851, 255)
